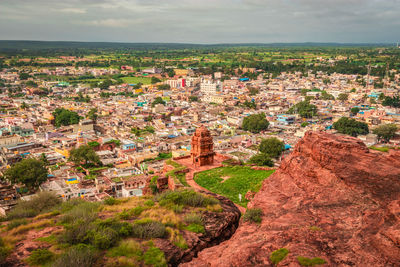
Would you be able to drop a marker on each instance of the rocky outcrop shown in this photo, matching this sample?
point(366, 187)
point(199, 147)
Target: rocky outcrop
point(332, 198)
point(219, 226)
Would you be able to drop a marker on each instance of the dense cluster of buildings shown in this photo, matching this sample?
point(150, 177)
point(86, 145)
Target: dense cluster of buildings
point(130, 133)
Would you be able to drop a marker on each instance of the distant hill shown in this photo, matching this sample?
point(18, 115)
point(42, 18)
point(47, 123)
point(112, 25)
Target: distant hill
point(12, 45)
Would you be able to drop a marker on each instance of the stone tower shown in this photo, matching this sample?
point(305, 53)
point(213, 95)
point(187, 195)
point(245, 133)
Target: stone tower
point(202, 151)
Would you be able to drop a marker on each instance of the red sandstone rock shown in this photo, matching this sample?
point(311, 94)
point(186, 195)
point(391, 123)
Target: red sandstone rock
point(331, 198)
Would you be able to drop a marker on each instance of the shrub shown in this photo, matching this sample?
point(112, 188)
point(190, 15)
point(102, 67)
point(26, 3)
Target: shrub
point(155, 257)
point(84, 211)
point(103, 238)
point(185, 198)
point(304, 261)
point(15, 223)
point(278, 255)
point(80, 255)
point(176, 238)
point(3, 252)
point(110, 201)
point(40, 257)
point(42, 202)
point(196, 228)
point(149, 203)
point(77, 233)
point(147, 228)
point(194, 218)
point(127, 248)
point(253, 215)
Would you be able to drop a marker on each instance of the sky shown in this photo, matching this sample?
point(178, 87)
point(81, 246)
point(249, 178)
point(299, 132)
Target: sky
point(201, 21)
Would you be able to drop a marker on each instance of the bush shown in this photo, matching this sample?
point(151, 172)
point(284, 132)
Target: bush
point(42, 202)
point(127, 248)
point(278, 255)
point(261, 159)
point(149, 203)
point(272, 147)
point(304, 261)
point(84, 212)
point(147, 228)
point(103, 238)
point(253, 215)
point(3, 252)
point(40, 257)
point(155, 257)
point(15, 223)
point(351, 127)
point(80, 255)
point(194, 218)
point(185, 198)
point(196, 228)
point(110, 201)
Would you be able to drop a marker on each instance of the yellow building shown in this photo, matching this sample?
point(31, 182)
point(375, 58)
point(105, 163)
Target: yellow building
point(181, 72)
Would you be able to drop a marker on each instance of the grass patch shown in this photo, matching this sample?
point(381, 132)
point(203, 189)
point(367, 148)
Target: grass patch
point(381, 149)
point(185, 198)
point(51, 239)
point(315, 228)
point(147, 228)
point(155, 257)
point(242, 179)
point(176, 238)
point(79, 255)
point(15, 223)
point(253, 215)
point(136, 80)
point(40, 257)
point(278, 255)
point(304, 261)
point(126, 248)
point(195, 228)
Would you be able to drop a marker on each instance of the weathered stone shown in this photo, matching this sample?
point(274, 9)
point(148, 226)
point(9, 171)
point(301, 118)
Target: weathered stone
point(332, 198)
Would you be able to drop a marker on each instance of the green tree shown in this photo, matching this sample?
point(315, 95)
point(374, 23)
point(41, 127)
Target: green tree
point(351, 127)
point(92, 114)
point(163, 87)
point(43, 158)
point(261, 159)
point(84, 154)
point(31, 84)
point(24, 105)
point(105, 84)
point(343, 97)
point(65, 117)
point(304, 109)
point(385, 132)
point(326, 96)
point(171, 73)
point(355, 110)
point(255, 123)
point(155, 80)
point(30, 172)
point(193, 98)
point(158, 100)
point(24, 76)
point(272, 147)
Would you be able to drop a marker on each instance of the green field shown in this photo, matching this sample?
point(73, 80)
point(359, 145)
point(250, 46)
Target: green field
point(232, 180)
point(136, 80)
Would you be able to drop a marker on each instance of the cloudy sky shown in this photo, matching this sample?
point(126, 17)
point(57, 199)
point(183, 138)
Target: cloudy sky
point(202, 21)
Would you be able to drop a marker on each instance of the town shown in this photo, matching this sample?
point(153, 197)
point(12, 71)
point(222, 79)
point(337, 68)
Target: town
point(105, 126)
point(136, 120)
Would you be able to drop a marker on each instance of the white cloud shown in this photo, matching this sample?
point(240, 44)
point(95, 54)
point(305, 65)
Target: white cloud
point(73, 10)
point(113, 23)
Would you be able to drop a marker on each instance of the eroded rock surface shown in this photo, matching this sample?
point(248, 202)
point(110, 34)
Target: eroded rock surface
point(332, 198)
